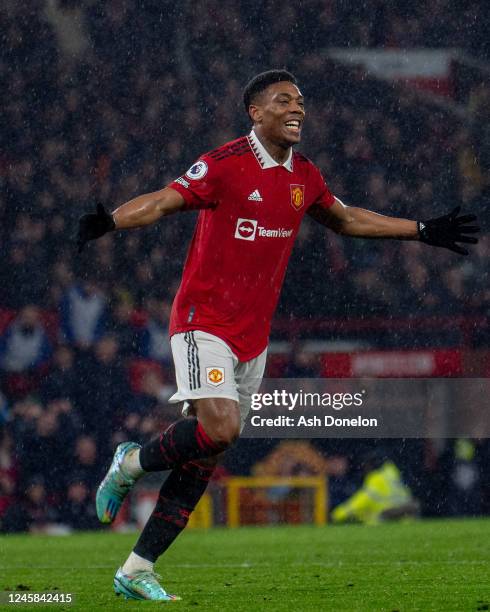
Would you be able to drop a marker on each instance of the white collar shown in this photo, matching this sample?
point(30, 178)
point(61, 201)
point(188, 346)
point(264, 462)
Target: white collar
point(264, 158)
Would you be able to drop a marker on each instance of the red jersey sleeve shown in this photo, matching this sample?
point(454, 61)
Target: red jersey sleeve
point(324, 198)
point(199, 185)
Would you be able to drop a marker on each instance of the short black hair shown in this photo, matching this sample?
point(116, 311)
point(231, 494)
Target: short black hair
point(262, 81)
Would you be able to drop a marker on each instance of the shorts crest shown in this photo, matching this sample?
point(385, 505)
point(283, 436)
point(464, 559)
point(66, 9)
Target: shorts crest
point(215, 376)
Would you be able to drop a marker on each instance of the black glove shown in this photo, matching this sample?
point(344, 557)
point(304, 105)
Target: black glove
point(447, 230)
point(94, 225)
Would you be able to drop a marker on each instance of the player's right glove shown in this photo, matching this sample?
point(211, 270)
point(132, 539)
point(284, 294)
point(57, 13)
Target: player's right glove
point(94, 225)
point(449, 229)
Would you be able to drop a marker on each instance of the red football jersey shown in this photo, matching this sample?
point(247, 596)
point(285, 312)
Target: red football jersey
point(251, 209)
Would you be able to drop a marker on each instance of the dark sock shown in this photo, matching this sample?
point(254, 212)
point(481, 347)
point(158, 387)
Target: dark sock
point(177, 499)
point(183, 441)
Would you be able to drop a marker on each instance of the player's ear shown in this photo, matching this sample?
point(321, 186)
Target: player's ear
point(255, 113)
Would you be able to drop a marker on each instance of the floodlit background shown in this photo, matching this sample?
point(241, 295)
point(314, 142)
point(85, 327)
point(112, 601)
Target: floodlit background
point(102, 101)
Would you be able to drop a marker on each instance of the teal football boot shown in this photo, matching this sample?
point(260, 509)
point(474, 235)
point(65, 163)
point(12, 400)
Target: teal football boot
point(141, 585)
point(116, 485)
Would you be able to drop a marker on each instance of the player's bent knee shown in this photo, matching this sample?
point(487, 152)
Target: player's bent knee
point(220, 419)
point(225, 434)
point(223, 431)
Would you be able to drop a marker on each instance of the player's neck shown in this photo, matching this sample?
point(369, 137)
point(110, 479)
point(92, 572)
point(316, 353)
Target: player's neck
point(278, 153)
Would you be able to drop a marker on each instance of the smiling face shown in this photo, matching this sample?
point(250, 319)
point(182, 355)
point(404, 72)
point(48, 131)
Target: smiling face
point(278, 114)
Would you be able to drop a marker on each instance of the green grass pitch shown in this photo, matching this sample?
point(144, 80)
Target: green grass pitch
point(427, 565)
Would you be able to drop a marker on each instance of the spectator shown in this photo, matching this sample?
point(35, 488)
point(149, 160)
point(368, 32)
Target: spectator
point(24, 346)
point(302, 364)
point(32, 512)
point(46, 449)
point(461, 463)
point(154, 343)
point(62, 379)
point(86, 463)
point(8, 473)
point(24, 352)
point(69, 419)
point(103, 389)
point(84, 314)
point(78, 509)
point(4, 409)
point(23, 421)
point(123, 327)
point(16, 272)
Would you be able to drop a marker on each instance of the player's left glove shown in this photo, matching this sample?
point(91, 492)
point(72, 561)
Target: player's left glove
point(449, 229)
point(94, 225)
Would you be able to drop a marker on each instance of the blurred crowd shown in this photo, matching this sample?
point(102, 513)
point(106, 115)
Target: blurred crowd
point(109, 100)
point(156, 85)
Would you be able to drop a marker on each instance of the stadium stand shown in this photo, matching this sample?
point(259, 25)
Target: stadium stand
point(125, 107)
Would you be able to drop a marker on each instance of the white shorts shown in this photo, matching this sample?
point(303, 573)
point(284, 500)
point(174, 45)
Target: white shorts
point(205, 366)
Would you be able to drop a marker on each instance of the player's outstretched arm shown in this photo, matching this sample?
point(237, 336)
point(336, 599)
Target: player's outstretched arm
point(361, 223)
point(445, 231)
point(148, 208)
point(140, 211)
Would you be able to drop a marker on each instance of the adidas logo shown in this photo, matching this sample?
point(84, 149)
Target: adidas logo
point(255, 196)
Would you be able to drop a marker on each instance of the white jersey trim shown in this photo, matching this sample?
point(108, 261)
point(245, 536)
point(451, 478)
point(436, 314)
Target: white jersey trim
point(263, 157)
